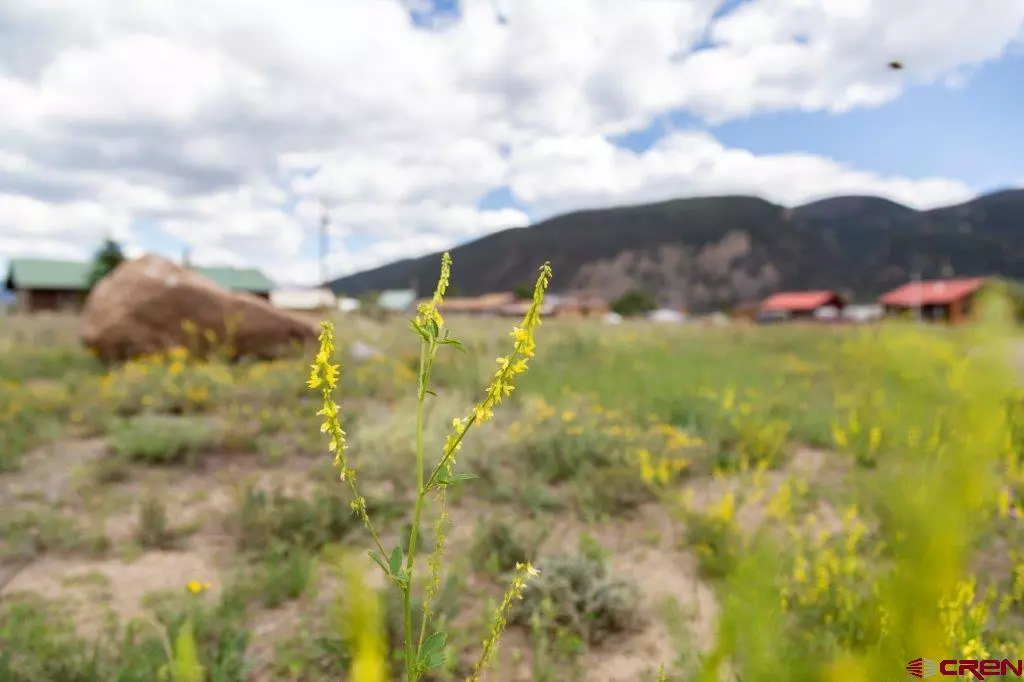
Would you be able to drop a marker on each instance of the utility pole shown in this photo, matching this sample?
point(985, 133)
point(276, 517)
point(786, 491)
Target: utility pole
point(499, 14)
point(325, 223)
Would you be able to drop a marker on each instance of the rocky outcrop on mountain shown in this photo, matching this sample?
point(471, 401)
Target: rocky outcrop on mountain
point(715, 252)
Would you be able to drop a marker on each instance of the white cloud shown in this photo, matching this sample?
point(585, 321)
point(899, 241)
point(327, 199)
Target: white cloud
point(144, 79)
point(558, 174)
point(384, 175)
point(227, 123)
point(39, 220)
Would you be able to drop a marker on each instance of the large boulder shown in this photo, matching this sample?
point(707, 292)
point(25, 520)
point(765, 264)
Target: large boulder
point(145, 306)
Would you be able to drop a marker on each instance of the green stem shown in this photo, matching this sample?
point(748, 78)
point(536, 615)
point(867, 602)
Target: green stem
point(438, 550)
point(165, 638)
point(446, 457)
point(410, 559)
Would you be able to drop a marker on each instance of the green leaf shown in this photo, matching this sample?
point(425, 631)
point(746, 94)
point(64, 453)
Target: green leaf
point(435, 660)
point(432, 654)
point(379, 560)
point(419, 329)
point(446, 476)
point(396, 561)
point(453, 342)
point(433, 643)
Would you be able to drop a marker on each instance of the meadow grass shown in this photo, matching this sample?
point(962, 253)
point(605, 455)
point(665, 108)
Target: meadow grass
point(793, 502)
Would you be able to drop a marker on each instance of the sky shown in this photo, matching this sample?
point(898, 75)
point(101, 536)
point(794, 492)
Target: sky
point(230, 127)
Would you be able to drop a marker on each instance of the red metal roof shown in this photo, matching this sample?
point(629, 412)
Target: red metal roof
point(797, 300)
point(934, 292)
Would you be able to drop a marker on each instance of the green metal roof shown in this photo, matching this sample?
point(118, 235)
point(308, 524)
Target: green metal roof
point(240, 279)
point(51, 275)
point(38, 274)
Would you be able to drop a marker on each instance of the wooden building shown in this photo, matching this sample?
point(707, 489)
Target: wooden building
point(943, 300)
point(317, 299)
point(519, 308)
point(46, 285)
point(797, 305)
point(745, 312)
point(56, 285)
point(579, 305)
point(487, 304)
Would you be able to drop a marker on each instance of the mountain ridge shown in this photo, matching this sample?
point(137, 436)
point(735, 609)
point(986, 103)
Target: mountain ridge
point(705, 253)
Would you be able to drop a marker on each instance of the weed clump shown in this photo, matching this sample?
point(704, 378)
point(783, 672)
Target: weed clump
point(30, 533)
point(153, 530)
point(283, 578)
point(715, 537)
point(500, 546)
point(613, 491)
point(161, 439)
point(576, 592)
point(276, 522)
point(747, 432)
point(39, 641)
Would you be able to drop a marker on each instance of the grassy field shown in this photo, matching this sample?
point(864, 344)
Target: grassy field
point(770, 504)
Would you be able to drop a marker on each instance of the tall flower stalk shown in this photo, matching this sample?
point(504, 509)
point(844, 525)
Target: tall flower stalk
point(423, 651)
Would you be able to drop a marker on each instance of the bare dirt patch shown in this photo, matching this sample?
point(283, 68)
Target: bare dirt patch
point(643, 550)
point(49, 471)
point(202, 499)
point(198, 501)
point(124, 584)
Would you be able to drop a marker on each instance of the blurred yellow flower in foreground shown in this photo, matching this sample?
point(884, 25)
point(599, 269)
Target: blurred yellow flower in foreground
point(196, 587)
point(360, 621)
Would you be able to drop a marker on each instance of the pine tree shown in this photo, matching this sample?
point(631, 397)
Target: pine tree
point(106, 259)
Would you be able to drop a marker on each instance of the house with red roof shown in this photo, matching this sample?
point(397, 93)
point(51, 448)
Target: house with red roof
point(801, 305)
point(940, 300)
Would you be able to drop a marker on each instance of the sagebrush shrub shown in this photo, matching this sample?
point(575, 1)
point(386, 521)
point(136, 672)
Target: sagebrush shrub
point(577, 592)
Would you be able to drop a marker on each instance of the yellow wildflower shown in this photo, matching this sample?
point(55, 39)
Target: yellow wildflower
point(197, 587)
